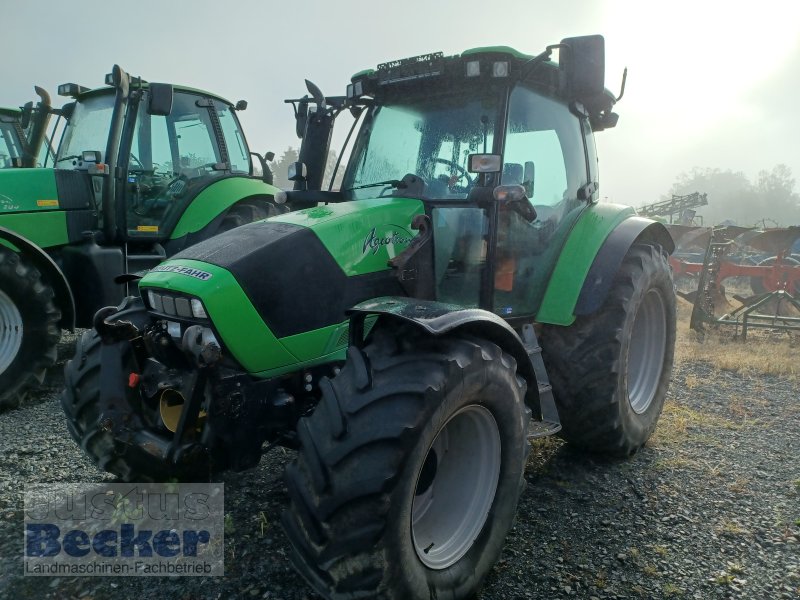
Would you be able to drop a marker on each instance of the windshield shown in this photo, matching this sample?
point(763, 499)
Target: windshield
point(87, 130)
point(430, 137)
point(9, 145)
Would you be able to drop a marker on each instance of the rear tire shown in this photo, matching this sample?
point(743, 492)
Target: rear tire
point(409, 470)
point(611, 369)
point(29, 327)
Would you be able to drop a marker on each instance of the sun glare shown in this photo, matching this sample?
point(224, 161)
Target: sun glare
point(696, 61)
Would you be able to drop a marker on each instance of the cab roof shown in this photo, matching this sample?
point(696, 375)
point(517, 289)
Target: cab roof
point(107, 89)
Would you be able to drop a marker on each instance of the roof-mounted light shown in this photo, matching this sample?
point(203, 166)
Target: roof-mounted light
point(354, 90)
point(71, 90)
point(473, 68)
point(500, 68)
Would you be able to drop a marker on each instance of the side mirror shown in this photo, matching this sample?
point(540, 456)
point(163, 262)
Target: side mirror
point(528, 176)
point(297, 171)
point(514, 197)
point(484, 163)
point(301, 117)
point(160, 96)
point(67, 110)
point(25, 118)
point(582, 66)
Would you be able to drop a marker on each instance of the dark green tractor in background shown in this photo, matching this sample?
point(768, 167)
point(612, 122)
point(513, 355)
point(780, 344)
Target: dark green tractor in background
point(23, 134)
point(142, 171)
point(463, 292)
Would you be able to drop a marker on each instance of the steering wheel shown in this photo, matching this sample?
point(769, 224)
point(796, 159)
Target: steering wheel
point(160, 193)
point(463, 173)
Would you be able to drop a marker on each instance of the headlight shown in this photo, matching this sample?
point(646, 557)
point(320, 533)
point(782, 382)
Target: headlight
point(198, 310)
point(174, 305)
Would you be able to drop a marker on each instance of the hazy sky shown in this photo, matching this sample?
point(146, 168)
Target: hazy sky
point(710, 84)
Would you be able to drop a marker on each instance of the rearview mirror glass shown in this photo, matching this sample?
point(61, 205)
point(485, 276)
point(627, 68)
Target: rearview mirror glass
point(582, 65)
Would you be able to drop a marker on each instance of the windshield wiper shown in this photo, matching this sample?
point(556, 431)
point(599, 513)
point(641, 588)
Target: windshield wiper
point(395, 183)
point(70, 157)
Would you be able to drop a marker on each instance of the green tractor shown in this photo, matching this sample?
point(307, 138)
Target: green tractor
point(143, 171)
point(23, 134)
point(408, 334)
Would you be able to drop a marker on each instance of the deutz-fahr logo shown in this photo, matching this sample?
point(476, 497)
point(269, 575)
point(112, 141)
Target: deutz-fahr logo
point(196, 273)
point(391, 235)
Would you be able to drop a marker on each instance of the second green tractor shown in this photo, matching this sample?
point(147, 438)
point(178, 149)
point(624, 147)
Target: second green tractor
point(143, 170)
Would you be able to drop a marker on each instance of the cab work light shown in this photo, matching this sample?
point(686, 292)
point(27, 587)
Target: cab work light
point(500, 68)
point(473, 68)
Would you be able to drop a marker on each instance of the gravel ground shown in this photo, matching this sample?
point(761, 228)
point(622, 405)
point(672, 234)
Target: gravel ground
point(710, 509)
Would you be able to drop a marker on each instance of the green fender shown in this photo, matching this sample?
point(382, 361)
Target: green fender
point(215, 199)
point(598, 242)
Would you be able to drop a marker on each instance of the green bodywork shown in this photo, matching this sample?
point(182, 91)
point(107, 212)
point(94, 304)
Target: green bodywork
point(234, 317)
point(29, 206)
point(46, 229)
point(344, 229)
point(587, 236)
point(217, 198)
point(28, 190)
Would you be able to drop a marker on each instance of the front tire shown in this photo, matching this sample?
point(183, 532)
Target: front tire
point(29, 327)
point(86, 414)
point(610, 370)
point(410, 469)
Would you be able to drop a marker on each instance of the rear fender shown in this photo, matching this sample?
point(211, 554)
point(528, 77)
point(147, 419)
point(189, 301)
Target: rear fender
point(50, 271)
point(591, 256)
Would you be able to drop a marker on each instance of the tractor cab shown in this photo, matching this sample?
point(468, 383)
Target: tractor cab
point(148, 150)
point(12, 140)
point(497, 144)
point(23, 134)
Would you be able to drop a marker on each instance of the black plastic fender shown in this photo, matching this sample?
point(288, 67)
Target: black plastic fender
point(50, 271)
point(439, 318)
point(608, 260)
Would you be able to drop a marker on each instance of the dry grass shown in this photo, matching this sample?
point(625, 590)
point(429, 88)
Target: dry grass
point(759, 355)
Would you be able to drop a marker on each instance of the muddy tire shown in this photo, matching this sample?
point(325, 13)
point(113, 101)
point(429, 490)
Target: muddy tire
point(409, 470)
point(29, 327)
point(86, 414)
point(611, 370)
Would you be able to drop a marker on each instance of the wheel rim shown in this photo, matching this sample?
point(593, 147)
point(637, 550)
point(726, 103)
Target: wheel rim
point(646, 351)
point(455, 487)
point(10, 331)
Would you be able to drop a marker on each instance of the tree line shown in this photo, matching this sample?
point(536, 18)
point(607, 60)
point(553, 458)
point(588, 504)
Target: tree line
point(280, 169)
point(733, 199)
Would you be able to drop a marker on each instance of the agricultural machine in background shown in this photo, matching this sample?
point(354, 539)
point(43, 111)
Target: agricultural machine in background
point(23, 134)
point(761, 267)
point(142, 171)
point(680, 210)
point(390, 330)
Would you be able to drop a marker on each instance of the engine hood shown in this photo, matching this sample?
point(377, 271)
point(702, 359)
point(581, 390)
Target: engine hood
point(286, 277)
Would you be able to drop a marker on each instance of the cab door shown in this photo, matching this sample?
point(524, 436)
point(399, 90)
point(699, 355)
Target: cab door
point(544, 152)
